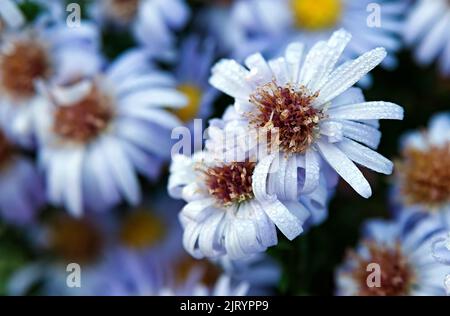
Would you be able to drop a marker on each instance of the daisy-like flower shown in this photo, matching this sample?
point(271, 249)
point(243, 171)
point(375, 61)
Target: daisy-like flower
point(153, 22)
point(309, 107)
point(41, 52)
point(192, 73)
point(426, 29)
point(21, 186)
point(234, 204)
point(261, 23)
point(402, 251)
point(96, 134)
point(424, 171)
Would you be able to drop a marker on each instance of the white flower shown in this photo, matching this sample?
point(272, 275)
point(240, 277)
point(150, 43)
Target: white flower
point(235, 205)
point(311, 108)
point(41, 53)
point(427, 30)
point(269, 25)
point(424, 173)
point(97, 133)
point(402, 249)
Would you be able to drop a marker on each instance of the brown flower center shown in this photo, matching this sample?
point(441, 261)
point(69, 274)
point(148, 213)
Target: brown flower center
point(75, 240)
point(85, 119)
point(396, 276)
point(426, 175)
point(6, 150)
point(122, 10)
point(288, 112)
point(20, 66)
point(230, 183)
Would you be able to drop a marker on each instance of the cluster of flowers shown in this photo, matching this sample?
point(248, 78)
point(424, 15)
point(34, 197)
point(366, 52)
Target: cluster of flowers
point(77, 131)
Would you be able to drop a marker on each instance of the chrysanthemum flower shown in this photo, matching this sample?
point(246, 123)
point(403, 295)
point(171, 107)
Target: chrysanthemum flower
point(41, 53)
point(311, 109)
point(427, 29)
point(192, 74)
point(21, 186)
point(424, 172)
point(97, 133)
point(153, 22)
point(235, 205)
point(261, 23)
point(402, 249)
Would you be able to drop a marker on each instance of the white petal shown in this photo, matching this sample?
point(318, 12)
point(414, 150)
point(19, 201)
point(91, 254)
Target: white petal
point(367, 111)
point(365, 156)
point(345, 168)
point(350, 73)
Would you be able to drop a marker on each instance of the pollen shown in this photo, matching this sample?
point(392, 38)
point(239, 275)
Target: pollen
point(230, 183)
point(194, 96)
point(84, 120)
point(288, 113)
point(425, 175)
point(20, 65)
point(316, 14)
point(142, 229)
point(396, 276)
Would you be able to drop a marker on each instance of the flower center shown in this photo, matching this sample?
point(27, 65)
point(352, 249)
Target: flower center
point(122, 10)
point(230, 183)
point(142, 229)
point(6, 150)
point(85, 119)
point(426, 175)
point(20, 65)
point(75, 240)
point(287, 112)
point(194, 96)
point(316, 14)
point(396, 276)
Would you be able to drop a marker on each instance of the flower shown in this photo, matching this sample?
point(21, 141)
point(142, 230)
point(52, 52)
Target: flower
point(21, 186)
point(310, 108)
point(426, 29)
point(192, 73)
point(423, 176)
point(96, 134)
point(46, 51)
point(234, 205)
point(269, 25)
point(402, 249)
point(152, 22)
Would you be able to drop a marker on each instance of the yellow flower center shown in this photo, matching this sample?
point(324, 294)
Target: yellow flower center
point(142, 229)
point(194, 96)
point(316, 14)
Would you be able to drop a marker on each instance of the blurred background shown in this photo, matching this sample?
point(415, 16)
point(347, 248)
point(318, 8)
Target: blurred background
point(34, 254)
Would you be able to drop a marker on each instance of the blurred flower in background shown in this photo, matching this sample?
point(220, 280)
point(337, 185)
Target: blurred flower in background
point(426, 30)
point(102, 102)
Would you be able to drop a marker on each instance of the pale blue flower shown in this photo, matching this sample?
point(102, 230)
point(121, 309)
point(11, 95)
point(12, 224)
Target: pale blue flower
point(403, 250)
point(96, 135)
